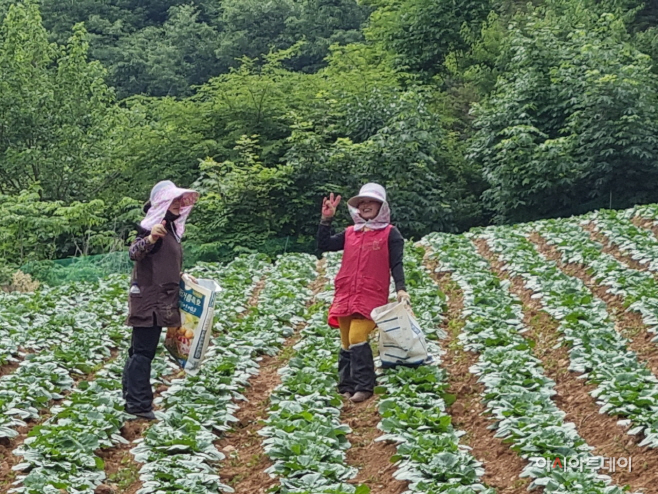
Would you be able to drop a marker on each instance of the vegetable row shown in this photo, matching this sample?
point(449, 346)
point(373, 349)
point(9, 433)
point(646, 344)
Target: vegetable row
point(638, 243)
point(62, 451)
point(517, 393)
point(74, 331)
point(304, 436)
point(413, 408)
point(624, 385)
point(638, 289)
point(178, 453)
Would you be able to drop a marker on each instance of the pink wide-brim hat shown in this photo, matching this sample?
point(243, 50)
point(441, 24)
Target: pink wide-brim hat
point(162, 195)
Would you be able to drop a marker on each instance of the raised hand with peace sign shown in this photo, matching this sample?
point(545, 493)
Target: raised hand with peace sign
point(329, 206)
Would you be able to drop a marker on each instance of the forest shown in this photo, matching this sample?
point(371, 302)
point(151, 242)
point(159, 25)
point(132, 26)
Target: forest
point(469, 112)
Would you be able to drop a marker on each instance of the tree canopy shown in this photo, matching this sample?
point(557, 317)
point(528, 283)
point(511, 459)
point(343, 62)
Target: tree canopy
point(467, 111)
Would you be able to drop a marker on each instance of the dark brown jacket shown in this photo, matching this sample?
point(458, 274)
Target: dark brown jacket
point(157, 277)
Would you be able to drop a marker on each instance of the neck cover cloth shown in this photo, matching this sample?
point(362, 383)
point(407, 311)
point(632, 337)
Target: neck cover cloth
point(162, 195)
point(382, 220)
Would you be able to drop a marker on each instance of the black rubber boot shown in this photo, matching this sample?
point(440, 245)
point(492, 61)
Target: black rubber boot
point(363, 367)
point(345, 382)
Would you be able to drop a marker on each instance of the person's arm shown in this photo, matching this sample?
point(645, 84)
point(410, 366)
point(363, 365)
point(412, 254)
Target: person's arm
point(328, 242)
point(146, 241)
point(396, 258)
point(141, 247)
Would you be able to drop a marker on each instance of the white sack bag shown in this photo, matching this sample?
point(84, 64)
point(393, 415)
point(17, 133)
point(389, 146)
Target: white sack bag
point(401, 341)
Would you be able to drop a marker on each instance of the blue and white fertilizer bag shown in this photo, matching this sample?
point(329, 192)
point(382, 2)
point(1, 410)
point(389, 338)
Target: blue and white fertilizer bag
point(401, 340)
point(187, 344)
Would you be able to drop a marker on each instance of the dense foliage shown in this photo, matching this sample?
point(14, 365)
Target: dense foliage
point(468, 111)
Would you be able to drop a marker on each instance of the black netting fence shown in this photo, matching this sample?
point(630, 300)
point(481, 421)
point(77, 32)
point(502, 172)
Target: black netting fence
point(92, 268)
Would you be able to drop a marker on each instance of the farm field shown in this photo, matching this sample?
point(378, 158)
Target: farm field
point(545, 340)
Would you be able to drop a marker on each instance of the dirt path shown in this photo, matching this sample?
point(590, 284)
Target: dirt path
point(502, 465)
point(645, 223)
point(10, 367)
point(246, 461)
point(7, 458)
point(7, 446)
point(600, 431)
point(120, 465)
point(373, 459)
point(614, 251)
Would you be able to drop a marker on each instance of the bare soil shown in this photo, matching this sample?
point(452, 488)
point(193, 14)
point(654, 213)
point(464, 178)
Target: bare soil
point(502, 465)
point(246, 461)
point(628, 323)
point(8, 460)
point(600, 431)
point(373, 459)
point(645, 223)
point(9, 368)
point(612, 250)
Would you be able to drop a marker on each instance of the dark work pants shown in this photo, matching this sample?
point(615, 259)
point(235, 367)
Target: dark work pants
point(137, 372)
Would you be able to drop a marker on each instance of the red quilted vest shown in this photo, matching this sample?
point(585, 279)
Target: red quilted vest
point(365, 274)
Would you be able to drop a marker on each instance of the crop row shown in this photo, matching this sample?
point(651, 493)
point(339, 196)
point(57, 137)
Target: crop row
point(178, 453)
point(304, 436)
point(625, 386)
point(647, 212)
point(638, 243)
point(413, 408)
point(61, 452)
point(174, 458)
point(76, 342)
point(517, 392)
point(638, 289)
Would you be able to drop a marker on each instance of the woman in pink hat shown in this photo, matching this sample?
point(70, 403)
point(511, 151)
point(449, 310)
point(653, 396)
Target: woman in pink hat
point(373, 251)
point(154, 288)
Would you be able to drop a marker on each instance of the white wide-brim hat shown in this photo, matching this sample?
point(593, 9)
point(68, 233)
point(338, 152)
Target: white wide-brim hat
point(369, 191)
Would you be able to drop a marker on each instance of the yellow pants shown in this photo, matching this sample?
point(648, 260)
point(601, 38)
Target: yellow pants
point(354, 330)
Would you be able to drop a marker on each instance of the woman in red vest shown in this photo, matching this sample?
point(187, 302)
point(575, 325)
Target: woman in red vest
point(373, 250)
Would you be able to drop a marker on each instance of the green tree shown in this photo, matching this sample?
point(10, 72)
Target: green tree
point(408, 155)
point(243, 203)
point(55, 110)
point(30, 228)
point(168, 59)
point(421, 33)
point(572, 123)
point(256, 98)
point(252, 28)
point(322, 24)
point(161, 138)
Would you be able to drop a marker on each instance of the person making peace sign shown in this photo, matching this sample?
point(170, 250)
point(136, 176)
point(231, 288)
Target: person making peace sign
point(373, 250)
